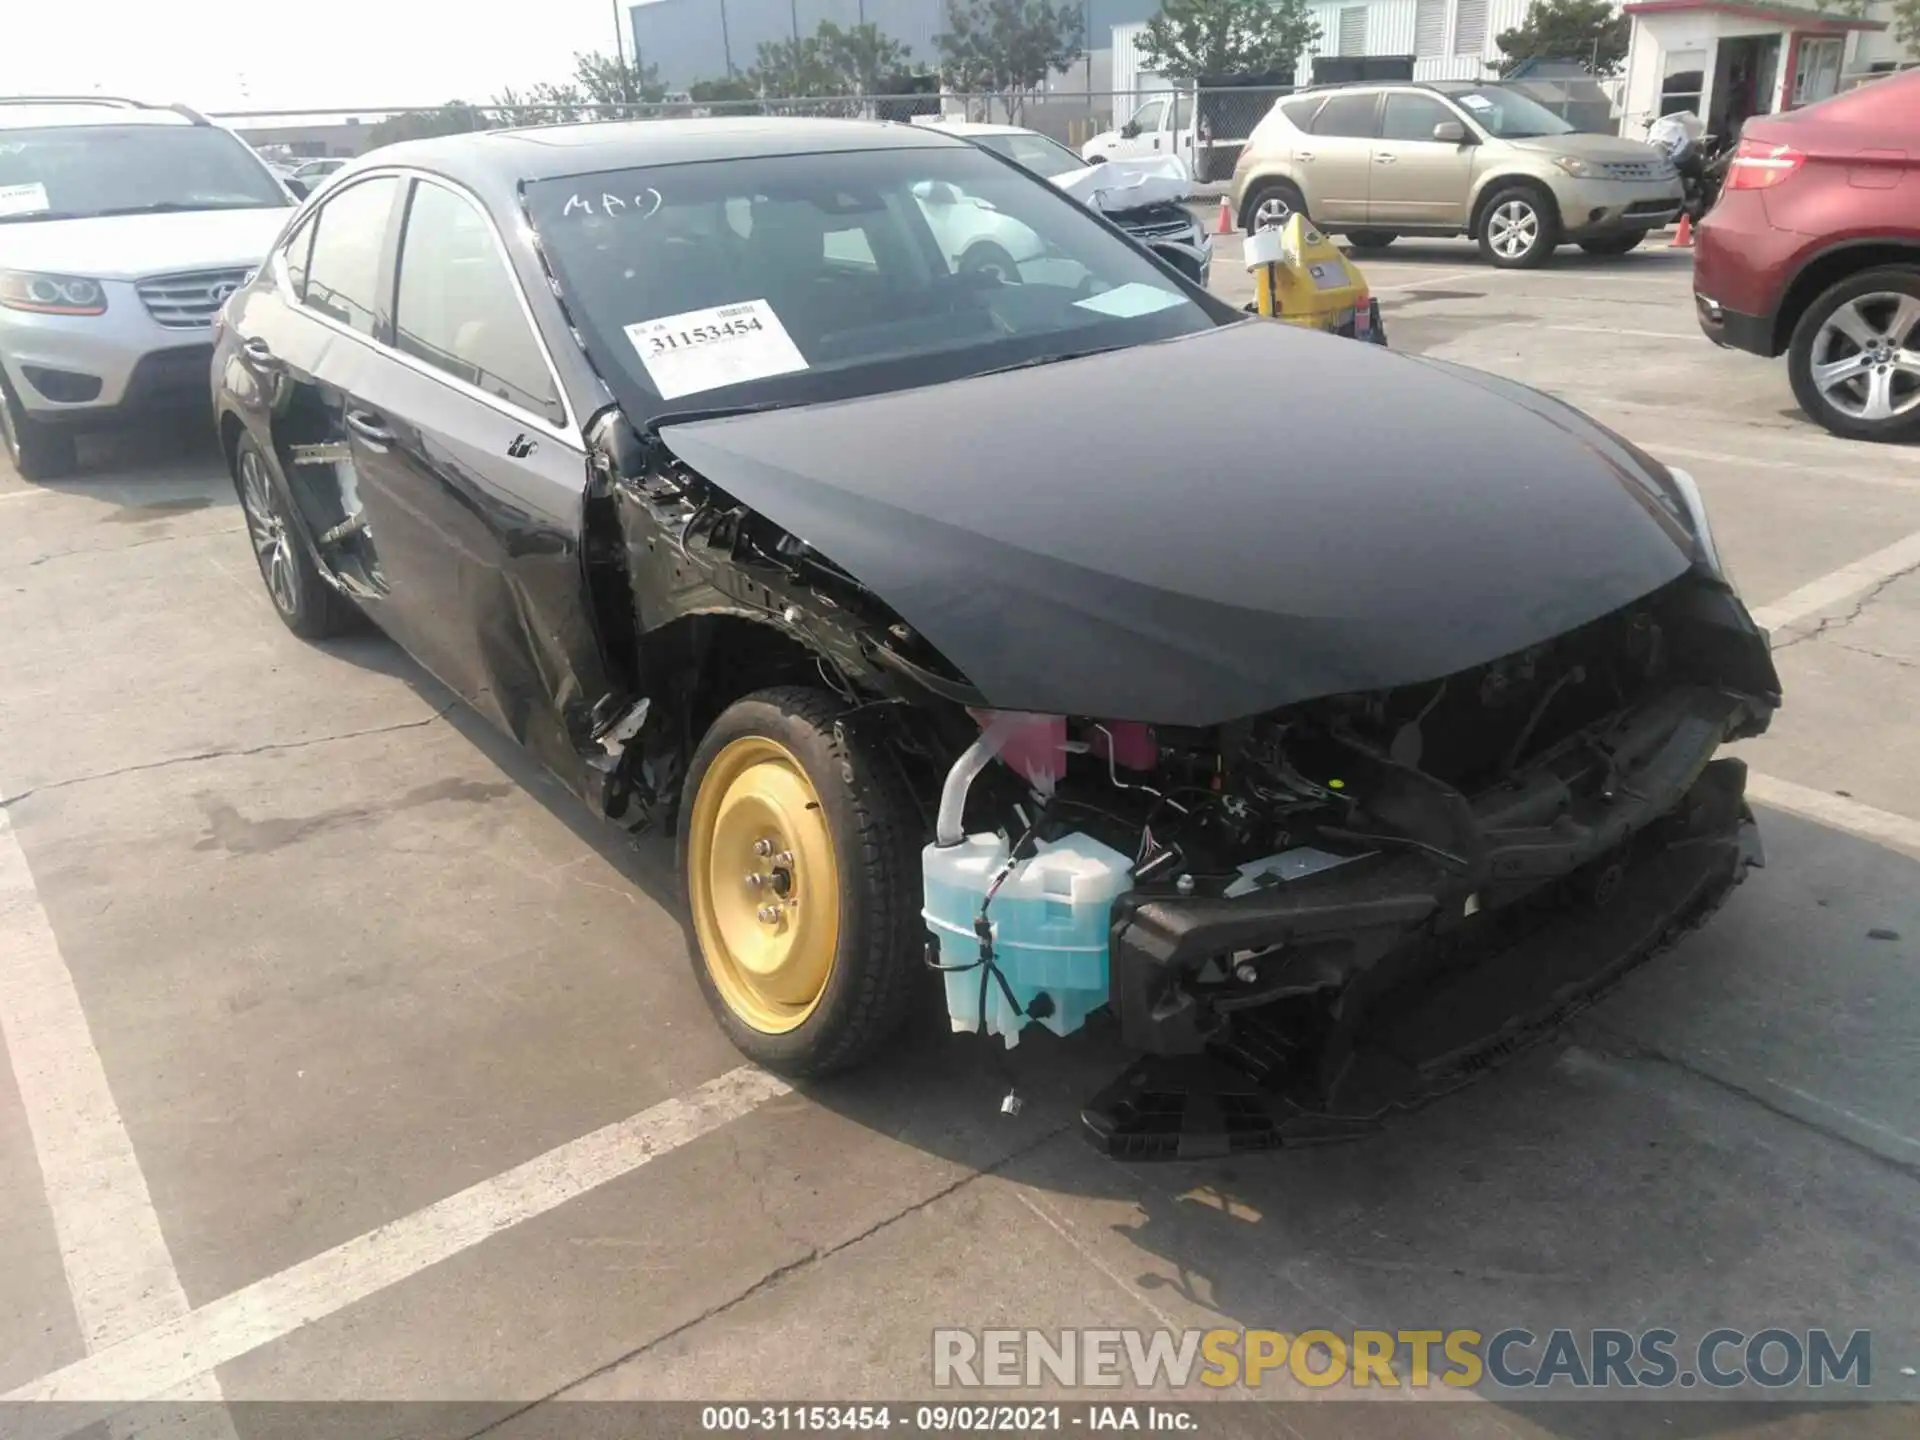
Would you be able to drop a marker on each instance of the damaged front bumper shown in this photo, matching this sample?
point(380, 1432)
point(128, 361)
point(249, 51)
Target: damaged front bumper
point(1308, 1010)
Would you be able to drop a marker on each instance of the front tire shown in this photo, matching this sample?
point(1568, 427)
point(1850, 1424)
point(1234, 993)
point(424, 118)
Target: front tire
point(1519, 228)
point(800, 843)
point(985, 258)
point(38, 451)
point(1854, 359)
point(1614, 244)
point(306, 604)
point(1270, 205)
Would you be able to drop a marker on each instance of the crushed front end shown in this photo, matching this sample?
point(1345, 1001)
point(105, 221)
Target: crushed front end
point(1313, 917)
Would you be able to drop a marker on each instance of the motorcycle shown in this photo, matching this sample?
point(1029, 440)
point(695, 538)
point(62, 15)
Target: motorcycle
point(1700, 158)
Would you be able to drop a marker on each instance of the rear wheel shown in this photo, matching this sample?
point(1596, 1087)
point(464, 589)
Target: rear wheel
point(38, 452)
point(801, 847)
point(1613, 244)
point(1271, 204)
point(306, 603)
point(1854, 359)
point(1371, 239)
point(985, 258)
point(1519, 228)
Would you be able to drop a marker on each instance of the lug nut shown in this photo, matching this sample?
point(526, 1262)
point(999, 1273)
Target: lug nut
point(1246, 972)
point(784, 859)
point(769, 914)
point(755, 880)
point(763, 848)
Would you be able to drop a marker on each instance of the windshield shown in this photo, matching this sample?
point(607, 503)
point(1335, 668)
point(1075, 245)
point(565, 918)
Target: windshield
point(1507, 113)
point(1046, 158)
point(75, 171)
point(798, 278)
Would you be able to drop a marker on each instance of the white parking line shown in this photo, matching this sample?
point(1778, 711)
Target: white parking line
point(1426, 280)
point(118, 1268)
point(191, 1345)
point(1621, 330)
point(1842, 584)
point(1881, 826)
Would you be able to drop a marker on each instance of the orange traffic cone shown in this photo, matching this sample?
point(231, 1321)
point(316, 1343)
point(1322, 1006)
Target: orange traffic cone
point(1683, 237)
point(1224, 225)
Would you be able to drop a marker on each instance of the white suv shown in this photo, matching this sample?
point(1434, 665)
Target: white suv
point(123, 229)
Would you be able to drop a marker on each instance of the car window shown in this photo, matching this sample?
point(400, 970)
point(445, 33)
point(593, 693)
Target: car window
point(1347, 115)
point(299, 245)
point(1507, 113)
point(76, 171)
point(1183, 112)
point(799, 278)
point(343, 276)
point(1147, 117)
point(1412, 117)
point(1036, 152)
point(1300, 112)
point(458, 308)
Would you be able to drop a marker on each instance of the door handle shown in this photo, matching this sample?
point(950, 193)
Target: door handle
point(1384, 159)
point(369, 427)
point(1303, 154)
point(261, 354)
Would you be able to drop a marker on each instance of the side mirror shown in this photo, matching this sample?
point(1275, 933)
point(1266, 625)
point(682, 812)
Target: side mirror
point(299, 188)
point(1450, 132)
point(936, 192)
point(1129, 130)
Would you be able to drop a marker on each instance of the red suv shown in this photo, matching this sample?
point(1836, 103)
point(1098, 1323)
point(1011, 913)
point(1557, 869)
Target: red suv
point(1814, 249)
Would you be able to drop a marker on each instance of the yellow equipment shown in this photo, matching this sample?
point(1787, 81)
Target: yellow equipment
point(1303, 278)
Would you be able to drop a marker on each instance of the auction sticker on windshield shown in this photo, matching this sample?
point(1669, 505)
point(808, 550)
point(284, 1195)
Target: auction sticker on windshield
point(29, 199)
point(706, 349)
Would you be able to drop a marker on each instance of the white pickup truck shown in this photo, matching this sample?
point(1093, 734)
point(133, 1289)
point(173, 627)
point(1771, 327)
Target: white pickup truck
point(1163, 125)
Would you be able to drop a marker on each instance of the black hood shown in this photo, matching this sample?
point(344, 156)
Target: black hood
point(1203, 529)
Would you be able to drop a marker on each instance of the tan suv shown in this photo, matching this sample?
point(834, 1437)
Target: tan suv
point(1374, 162)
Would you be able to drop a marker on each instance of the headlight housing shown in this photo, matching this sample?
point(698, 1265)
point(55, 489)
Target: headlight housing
point(1578, 168)
point(1702, 526)
point(43, 294)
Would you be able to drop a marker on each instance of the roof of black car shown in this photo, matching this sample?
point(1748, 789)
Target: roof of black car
point(549, 151)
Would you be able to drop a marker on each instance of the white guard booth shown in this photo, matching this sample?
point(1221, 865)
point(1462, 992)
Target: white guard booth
point(1727, 60)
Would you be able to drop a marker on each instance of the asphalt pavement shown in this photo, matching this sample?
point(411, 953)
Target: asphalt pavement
point(348, 1058)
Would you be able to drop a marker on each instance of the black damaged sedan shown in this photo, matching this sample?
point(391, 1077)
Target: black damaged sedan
point(1328, 761)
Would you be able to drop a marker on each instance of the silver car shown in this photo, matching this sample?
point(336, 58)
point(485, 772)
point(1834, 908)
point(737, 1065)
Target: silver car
point(123, 229)
point(1374, 162)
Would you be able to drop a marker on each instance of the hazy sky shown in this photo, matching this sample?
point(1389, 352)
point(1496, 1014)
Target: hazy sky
point(272, 55)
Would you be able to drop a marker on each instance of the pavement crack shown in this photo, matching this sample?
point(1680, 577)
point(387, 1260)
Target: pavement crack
point(1630, 1046)
point(227, 754)
point(1868, 650)
point(1831, 623)
point(814, 1256)
point(130, 545)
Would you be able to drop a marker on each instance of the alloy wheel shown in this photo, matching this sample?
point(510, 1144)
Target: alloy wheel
point(1513, 229)
point(1272, 212)
point(266, 526)
point(1866, 357)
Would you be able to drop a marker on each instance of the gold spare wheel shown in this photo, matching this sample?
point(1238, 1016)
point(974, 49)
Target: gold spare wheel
point(763, 884)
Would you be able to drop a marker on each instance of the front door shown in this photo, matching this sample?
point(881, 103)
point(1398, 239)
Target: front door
point(1418, 180)
point(1143, 132)
point(1335, 162)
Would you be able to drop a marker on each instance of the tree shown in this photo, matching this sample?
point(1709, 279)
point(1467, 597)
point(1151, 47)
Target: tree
point(1903, 23)
point(860, 56)
point(732, 96)
point(614, 81)
point(545, 104)
point(1590, 31)
point(789, 69)
point(1008, 47)
point(1191, 38)
point(456, 117)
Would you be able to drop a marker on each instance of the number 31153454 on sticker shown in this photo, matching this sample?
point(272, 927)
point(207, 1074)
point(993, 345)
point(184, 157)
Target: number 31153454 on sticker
point(707, 349)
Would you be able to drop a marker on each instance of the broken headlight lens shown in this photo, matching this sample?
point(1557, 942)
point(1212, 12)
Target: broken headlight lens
point(51, 294)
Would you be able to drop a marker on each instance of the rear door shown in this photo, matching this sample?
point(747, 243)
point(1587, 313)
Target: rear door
point(1418, 180)
point(474, 476)
point(1334, 162)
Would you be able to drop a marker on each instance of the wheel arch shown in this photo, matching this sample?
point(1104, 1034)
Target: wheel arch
point(1266, 179)
point(1828, 268)
point(1493, 185)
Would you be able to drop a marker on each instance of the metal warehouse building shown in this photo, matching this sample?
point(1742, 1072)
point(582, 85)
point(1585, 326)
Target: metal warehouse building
point(693, 40)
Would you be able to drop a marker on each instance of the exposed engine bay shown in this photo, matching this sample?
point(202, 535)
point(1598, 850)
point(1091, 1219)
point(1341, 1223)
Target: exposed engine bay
point(1246, 898)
